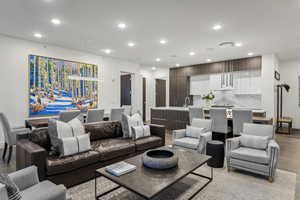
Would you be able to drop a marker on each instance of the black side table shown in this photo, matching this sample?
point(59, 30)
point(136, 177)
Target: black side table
point(215, 149)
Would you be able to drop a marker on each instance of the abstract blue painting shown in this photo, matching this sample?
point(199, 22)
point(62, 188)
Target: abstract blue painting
point(56, 85)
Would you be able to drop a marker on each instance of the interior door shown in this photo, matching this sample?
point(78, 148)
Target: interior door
point(126, 89)
point(160, 87)
point(144, 99)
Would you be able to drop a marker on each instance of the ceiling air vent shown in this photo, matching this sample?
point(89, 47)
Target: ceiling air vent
point(226, 44)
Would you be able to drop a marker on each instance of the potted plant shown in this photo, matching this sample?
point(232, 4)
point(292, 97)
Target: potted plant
point(208, 98)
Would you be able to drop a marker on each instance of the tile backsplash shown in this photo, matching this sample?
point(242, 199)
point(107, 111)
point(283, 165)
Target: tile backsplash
point(229, 98)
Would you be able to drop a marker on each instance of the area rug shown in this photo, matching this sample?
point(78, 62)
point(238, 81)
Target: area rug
point(235, 185)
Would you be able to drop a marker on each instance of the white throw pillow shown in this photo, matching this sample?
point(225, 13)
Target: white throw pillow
point(140, 132)
point(68, 146)
point(64, 130)
point(194, 132)
point(84, 143)
point(252, 141)
point(130, 121)
point(77, 127)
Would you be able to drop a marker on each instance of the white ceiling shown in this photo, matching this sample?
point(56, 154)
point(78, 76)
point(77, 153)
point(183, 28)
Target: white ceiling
point(263, 26)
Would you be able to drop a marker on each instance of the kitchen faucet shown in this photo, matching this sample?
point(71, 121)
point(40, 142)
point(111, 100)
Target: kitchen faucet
point(187, 101)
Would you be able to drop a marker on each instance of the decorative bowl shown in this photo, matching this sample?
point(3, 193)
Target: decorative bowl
point(160, 159)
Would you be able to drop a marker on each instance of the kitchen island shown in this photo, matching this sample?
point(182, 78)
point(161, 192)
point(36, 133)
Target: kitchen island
point(178, 117)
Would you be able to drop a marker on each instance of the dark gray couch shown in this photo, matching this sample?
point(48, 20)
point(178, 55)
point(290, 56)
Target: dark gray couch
point(108, 146)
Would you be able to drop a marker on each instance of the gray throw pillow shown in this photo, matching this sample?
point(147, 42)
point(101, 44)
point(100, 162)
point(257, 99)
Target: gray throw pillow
point(194, 132)
point(252, 141)
point(12, 189)
point(125, 125)
point(68, 146)
point(140, 132)
point(77, 127)
point(59, 130)
point(130, 121)
point(74, 145)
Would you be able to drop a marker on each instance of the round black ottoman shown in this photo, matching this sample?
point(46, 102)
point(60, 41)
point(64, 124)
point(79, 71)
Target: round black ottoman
point(215, 149)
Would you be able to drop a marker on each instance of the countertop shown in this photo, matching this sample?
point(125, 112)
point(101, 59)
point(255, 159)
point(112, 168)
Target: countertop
point(205, 108)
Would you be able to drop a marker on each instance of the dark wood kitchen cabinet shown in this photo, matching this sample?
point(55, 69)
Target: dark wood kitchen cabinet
point(172, 119)
point(179, 84)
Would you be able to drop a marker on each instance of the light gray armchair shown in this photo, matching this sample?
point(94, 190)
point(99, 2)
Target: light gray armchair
point(255, 160)
point(31, 189)
point(197, 142)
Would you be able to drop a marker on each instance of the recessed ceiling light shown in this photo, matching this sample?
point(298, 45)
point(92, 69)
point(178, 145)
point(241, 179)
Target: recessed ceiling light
point(122, 26)
point(163, 41)
point(107, 51)
point(38, 35)
point(131, 44)
point(153, 68)
point(238, 44)
point(250, 54)
point(192, 53)
point(157, 59)
point(177, 65)
point(208, 60)
point(56, 21)
point(217, 27)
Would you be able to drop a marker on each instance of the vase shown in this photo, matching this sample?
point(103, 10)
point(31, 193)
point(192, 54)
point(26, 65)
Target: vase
point(208, 102)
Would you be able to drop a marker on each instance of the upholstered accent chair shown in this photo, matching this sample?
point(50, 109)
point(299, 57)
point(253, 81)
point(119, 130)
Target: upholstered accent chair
point(116, 114)
point(11, 135)
point(67, 116)
point(94, 115)
point(197, 142)
point(195, 112)
point(253, 159)
point(32, 189)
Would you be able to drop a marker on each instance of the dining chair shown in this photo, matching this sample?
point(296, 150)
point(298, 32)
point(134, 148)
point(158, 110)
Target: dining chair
point(67, 116)
point(10, 135)
point(239, 117)
point(116, 114)
point(195, 112)
point(220, 123)
point(94, 115)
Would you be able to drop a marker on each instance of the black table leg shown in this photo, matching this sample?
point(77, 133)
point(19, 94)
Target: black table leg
point(105, 193)
point(208, 182)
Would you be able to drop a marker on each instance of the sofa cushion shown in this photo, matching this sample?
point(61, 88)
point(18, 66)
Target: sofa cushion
point(148, 143)
point(251, 155)
point(45, 190)
point(103, 130)
point(113, 148)
point(187, 142)
point(56, 165)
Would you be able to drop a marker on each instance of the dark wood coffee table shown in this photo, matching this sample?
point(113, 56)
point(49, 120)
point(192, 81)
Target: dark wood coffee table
point(148, 183)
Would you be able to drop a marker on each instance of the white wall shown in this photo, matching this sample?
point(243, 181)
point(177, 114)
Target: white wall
point(150, 75)
point(14, 76)
point(268, 82)
point(290, 71)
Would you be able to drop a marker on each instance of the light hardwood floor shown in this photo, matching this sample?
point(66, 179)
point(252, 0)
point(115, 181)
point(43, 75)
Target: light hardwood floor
point(289, 156)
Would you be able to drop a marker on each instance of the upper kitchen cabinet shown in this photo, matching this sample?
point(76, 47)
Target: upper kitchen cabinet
point(242, 76)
